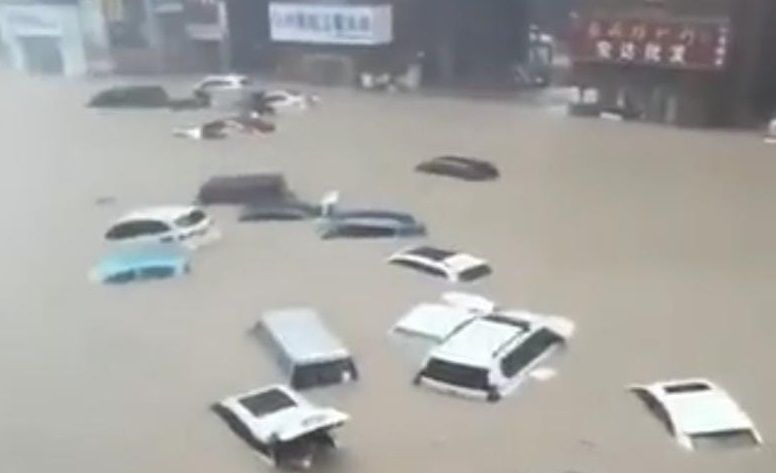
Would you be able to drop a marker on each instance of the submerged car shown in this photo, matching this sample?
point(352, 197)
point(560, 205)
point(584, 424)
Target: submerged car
point(139, 263)
point(468, 169)
point(131, 96)
point(369, 224)
point(282, 426)
point(309, 353)
point(245, 189)
point(185, 225)
point(221, 82)
point(284, 99)
point(451, 265)
point(436, 321)
point(287, 207)
point(484, 355)
point(279, 210)
point(699, 414)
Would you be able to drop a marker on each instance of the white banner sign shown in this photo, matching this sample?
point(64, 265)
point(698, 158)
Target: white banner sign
point(331, 24)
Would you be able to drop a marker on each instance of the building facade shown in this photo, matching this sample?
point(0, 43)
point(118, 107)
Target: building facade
point(62, 38)
point(333, 42)
point(691, 63)
point(166, 36)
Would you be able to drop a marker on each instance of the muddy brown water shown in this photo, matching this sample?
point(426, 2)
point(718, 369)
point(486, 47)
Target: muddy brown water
point(657, 242)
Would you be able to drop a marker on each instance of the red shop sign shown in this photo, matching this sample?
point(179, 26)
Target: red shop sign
point(679, 44)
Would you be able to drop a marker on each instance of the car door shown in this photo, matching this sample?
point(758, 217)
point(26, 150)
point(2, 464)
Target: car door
point(526, 356)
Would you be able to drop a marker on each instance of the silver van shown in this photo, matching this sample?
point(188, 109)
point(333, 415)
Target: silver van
point(306, 349)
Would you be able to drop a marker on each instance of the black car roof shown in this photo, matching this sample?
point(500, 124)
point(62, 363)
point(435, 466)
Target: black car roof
point(463, 160)
point(376, 214)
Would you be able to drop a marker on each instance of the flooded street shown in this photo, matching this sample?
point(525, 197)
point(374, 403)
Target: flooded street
point(657, 242)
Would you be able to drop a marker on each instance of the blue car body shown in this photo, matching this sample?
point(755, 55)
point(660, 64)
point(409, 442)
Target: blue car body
point(141, 263)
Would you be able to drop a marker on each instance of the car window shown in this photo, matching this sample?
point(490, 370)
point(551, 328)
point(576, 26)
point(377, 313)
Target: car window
point(457, 374)
point(528, 351)
point(475, 273)
point(123, 230)
point(267, 402)
point(121, 277)
point(157, 272)
point(420, 267)
point(321, 374)
point(363, 231)
point(190, 219)
point(150, 227)
point(736, 438)
point(686, 388)
point(215, 83)
point(136, 228)
point(432, 253)
point(272, 214)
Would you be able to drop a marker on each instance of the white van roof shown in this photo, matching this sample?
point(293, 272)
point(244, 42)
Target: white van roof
point(301, 334)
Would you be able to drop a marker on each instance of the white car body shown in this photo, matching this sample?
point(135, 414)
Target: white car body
point(436, 321)
point(697, 409)
point(474, 336)
point(282, 424)
point(281, 99)
point(223, 82)
point(188, 226)
point(453, 266)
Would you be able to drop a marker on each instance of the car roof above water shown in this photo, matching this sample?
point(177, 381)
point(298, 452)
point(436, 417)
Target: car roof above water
point(301, 334)
point(479, 341)
point(166, 213)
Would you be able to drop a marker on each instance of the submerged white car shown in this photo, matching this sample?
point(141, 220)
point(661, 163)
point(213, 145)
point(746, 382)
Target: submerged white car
point(187, 226)
point(222, 82)
point(698, 413)
point(281, 425)
point(481, 351)
point(451, 265)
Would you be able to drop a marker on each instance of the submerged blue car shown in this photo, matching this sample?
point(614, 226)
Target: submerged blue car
point(141, 263)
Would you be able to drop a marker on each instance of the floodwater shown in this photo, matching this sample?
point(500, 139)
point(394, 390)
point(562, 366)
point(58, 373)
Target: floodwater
point(658, 242)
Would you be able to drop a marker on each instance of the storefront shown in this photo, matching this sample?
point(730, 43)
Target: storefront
point(335, 42)
point(675, 62)
point(661, 69)
point(53, 39)
point(207, 35)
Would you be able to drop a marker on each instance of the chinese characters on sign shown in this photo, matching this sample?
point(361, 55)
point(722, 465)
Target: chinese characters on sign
point(660, 43)
point(331, 24)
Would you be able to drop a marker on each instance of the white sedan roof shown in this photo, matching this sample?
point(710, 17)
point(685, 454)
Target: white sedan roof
point(460, 262)
point(433, 321)
point(695, 410)
point(477, 343)
point(233, 79)
point(164, 213)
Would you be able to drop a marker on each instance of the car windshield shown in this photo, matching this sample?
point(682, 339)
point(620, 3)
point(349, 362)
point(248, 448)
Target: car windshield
point(736, 438)
point(321, 374)
point(527, 352)
point(456, 374)
point(475, 273)
point(267, 402)
point(190, 219)
point(686, 388)
point(363, 231)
